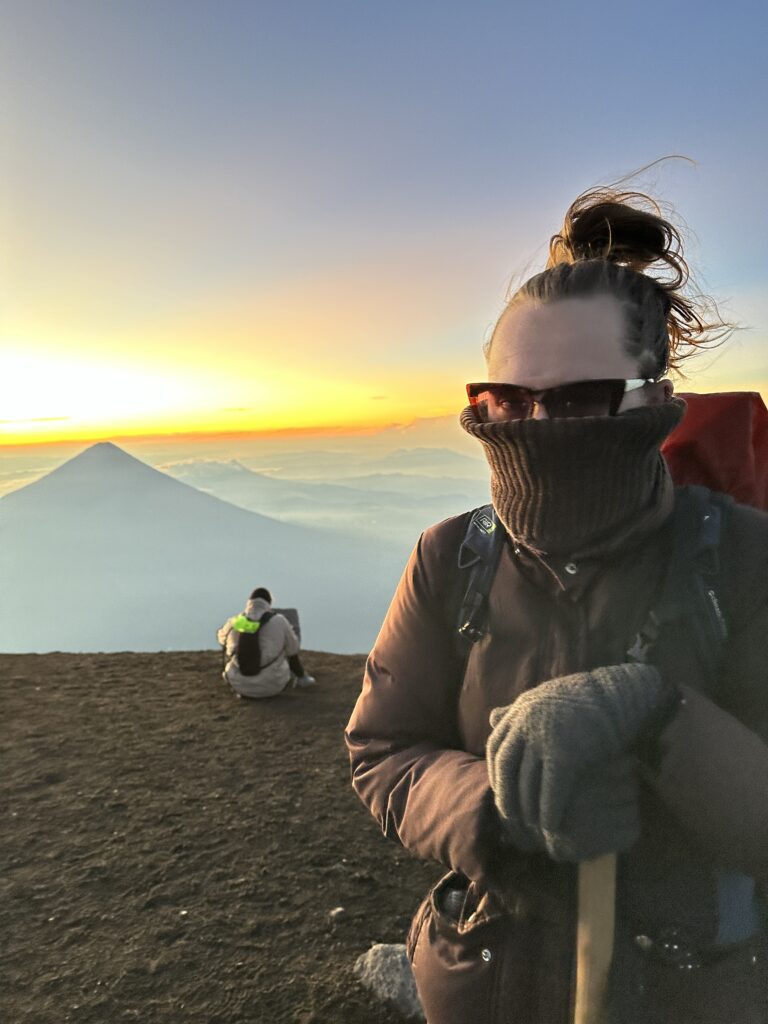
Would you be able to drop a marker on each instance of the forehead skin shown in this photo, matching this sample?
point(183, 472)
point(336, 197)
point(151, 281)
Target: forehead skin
point(541, 345)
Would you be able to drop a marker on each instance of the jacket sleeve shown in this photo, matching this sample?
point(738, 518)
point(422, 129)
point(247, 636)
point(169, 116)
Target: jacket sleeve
point(223, 633)
point(713, 770)
point(408, 765)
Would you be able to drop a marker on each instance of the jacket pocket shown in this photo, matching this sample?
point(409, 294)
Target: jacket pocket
point(417, 924)
point(455, 947)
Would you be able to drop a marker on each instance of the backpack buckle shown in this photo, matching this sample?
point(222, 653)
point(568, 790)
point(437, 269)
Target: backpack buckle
point(469, 631)
point(645, 639)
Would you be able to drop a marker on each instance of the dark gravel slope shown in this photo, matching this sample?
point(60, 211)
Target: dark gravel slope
point(171, 853)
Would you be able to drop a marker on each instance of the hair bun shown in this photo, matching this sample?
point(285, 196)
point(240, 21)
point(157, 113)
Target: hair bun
point(619, 242)
point(621, 227)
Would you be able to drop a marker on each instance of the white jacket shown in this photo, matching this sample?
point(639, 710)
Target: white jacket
point(278, 643)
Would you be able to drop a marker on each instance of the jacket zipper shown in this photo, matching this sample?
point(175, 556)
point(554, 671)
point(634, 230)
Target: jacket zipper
point(719, 618)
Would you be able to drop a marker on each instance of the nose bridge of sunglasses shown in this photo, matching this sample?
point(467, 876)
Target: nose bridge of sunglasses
point(538, 409)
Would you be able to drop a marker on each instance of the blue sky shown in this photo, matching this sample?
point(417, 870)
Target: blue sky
point(349, 187)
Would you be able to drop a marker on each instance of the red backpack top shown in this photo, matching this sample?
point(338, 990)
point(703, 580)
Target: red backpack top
point(722, 444)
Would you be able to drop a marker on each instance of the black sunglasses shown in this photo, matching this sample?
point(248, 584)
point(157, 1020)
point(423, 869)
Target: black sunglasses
point(582, 398)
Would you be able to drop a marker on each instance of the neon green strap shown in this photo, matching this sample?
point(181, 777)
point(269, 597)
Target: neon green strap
point(243, 625)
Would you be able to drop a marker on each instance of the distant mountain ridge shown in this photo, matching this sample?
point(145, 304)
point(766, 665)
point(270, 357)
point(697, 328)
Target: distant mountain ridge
point(361, 505)
point(121, 556)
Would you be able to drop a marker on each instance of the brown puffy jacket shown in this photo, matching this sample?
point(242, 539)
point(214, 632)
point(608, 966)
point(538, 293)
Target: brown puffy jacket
point(417, 740)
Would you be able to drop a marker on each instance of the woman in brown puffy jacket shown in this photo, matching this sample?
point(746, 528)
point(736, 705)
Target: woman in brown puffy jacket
point(615, 697)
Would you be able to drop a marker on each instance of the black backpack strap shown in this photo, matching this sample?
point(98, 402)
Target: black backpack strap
point(688, 612)
point(479, 553)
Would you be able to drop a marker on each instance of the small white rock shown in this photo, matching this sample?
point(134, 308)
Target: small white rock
point(386, 972)
point(336, 913)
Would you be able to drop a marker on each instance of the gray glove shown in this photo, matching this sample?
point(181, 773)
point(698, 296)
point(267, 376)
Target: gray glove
point(559, 759)
point(602, 814)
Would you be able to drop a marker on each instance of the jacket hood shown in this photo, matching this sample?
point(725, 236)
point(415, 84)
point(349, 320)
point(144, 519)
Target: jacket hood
point(256, 607)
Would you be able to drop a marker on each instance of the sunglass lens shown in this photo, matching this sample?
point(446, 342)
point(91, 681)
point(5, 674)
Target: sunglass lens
point(587, 398)
point(505, 402)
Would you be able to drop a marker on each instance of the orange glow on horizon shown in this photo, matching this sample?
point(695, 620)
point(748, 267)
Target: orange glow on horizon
point(49, 399)
point(191, 426)
point(191, 433)
point(198, 435)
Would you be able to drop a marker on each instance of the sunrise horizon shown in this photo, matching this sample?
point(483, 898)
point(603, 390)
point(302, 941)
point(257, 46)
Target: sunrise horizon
point(343, 429)
point(37, 432)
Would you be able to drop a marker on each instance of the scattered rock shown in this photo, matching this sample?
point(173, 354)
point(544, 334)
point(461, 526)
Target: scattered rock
point(336, 913)
point(386, 972)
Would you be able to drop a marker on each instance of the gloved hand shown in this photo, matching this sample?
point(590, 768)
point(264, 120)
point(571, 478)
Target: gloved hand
point(602, 814)
point(560, 764)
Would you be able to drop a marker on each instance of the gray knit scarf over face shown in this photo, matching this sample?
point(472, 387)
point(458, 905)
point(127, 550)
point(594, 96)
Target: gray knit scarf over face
point(579, 486)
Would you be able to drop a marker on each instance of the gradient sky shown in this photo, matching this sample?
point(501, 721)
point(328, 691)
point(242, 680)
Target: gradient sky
point(226, 216)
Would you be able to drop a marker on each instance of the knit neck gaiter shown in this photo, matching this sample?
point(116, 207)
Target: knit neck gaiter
point(579, 486)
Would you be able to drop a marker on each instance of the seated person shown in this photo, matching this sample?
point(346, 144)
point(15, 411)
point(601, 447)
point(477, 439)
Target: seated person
point(277, 655)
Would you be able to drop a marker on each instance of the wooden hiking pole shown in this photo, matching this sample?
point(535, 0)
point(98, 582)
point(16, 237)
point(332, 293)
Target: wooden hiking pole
point(594, 937)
